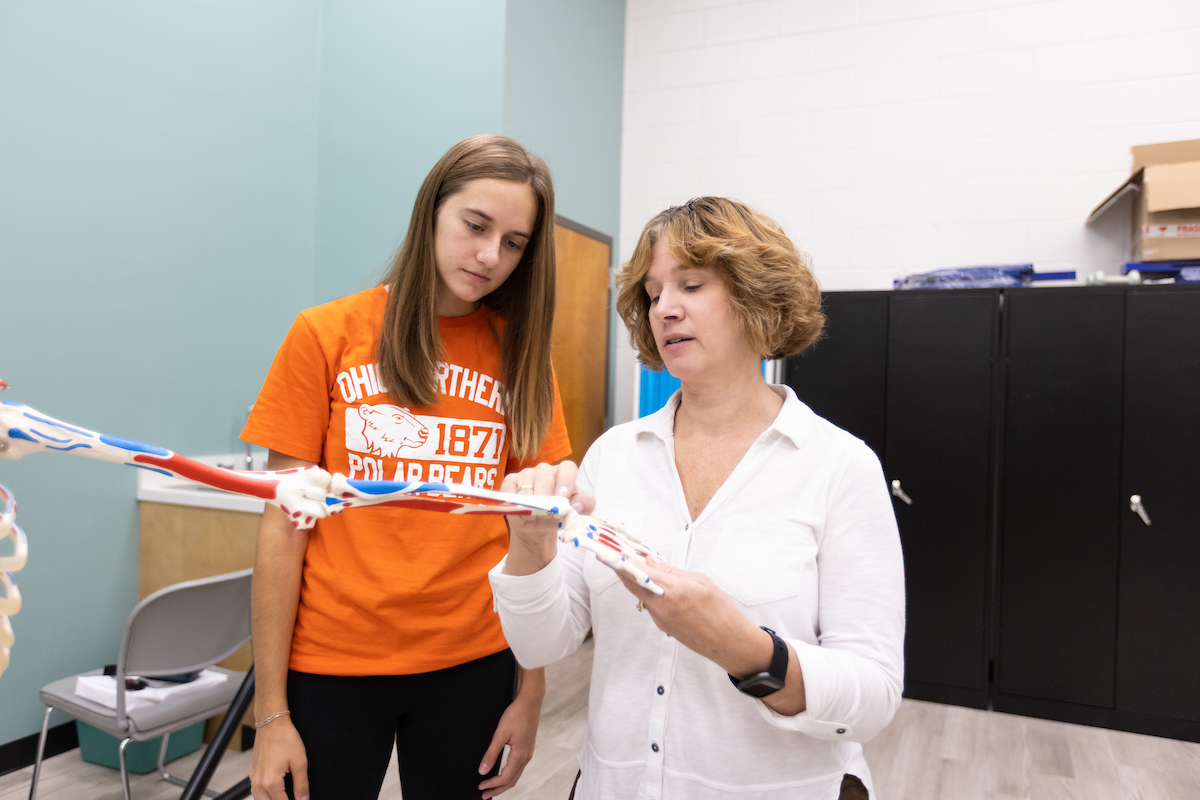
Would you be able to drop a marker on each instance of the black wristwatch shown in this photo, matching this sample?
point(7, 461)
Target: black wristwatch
point(764, 683)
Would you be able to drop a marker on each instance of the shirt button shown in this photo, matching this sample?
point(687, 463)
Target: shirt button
point(661, 690)
point(654, 747)
point(841, 730)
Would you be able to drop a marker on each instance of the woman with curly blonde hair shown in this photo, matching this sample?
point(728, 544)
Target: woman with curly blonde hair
point(777, 647)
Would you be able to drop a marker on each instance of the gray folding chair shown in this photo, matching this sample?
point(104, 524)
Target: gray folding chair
point(183, 628)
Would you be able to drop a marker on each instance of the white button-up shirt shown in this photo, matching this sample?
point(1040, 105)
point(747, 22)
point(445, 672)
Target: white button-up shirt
point(803, 537)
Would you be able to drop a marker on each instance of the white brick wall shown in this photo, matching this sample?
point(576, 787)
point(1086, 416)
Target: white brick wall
point(895, 136)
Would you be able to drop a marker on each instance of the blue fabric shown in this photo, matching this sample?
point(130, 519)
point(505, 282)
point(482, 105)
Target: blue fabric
point(654, 390)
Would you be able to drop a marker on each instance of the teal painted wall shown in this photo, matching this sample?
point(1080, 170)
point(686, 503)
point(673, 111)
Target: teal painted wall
point(392, 102)
point(563, 74)
point(400, 83)
point(157, 197)
point(178, 180)
point(562, 98)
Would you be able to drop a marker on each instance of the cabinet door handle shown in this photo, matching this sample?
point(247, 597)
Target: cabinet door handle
point(898, 492)
point(1135, 505)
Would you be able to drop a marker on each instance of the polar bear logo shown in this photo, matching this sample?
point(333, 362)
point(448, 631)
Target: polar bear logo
point(389, 429)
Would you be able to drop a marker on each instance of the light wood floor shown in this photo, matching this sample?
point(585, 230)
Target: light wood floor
point(929, 752)
point(936, 752)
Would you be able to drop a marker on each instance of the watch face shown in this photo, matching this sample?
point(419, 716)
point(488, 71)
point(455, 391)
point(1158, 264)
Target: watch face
point(760, 685)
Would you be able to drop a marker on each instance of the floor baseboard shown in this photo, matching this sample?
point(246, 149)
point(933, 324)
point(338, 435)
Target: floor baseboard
point(20, 753)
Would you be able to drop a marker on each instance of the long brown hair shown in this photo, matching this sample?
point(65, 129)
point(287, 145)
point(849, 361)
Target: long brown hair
point(409, 345)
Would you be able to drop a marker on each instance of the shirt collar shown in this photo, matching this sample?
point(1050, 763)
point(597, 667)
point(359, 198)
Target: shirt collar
point(794, 421)
point(662, 422)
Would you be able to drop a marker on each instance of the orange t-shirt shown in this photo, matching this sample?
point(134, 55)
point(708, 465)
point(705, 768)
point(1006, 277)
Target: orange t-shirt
point(393, 591)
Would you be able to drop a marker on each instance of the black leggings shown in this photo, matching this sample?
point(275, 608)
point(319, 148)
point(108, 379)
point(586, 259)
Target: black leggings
point(441, 723)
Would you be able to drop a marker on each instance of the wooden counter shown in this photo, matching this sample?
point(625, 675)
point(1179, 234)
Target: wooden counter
point(183, 543)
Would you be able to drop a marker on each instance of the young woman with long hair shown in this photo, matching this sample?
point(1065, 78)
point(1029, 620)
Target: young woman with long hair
point(377, 627)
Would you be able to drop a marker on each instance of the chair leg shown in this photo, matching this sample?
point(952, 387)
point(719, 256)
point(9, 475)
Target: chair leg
point(168, 777)
point(124, 769)
point(41, 750)
point(162, 758)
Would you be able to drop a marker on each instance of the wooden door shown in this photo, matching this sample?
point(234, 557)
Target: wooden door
point(580, 344)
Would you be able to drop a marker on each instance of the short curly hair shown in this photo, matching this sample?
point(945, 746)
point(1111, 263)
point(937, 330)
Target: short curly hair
point(774, 295)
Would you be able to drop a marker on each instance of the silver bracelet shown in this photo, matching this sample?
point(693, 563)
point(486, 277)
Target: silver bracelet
point(272, 718)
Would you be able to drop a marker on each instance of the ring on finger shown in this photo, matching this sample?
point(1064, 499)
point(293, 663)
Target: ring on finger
point(525, 486)
point(641, 606)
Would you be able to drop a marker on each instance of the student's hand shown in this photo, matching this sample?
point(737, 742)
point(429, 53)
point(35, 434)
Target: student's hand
point(278, 750)
point(533, 540)
point(517, 729)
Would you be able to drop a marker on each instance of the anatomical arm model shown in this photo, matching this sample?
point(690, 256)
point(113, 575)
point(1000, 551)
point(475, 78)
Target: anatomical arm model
point(10, 601)
point(305, 495)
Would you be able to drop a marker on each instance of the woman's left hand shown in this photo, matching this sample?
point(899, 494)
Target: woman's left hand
point(700, 615)
point(517, 729)
point(703, 618)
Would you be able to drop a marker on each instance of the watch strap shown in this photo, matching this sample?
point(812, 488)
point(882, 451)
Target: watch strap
point(775, 673)
point(779, 659)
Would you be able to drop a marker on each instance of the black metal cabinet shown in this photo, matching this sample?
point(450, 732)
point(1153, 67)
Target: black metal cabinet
point(1158, 632)
point(1020, 423)
point(843, 377)
point(1100, 611)
point(1061, 485)
point(941, 355)
point(911, 374)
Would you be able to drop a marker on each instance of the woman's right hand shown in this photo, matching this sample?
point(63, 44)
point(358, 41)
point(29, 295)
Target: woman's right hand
point(278, 750)
point(533, 540)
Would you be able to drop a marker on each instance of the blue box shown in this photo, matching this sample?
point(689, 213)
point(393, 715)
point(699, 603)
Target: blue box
point(98, 747)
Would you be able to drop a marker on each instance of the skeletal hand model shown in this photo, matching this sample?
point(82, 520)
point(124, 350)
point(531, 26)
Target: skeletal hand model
point(10, 603)
point(305, 495)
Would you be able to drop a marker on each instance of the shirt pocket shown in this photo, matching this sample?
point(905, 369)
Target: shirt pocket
point(598, 575)
point(764, 560)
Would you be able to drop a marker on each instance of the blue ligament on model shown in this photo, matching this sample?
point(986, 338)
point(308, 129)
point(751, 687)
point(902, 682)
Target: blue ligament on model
point(17, 433)
point(387, 487)
point(58, 424)
point(137, 447)
point(68, 449)
point(51, 438)
point(378, 487)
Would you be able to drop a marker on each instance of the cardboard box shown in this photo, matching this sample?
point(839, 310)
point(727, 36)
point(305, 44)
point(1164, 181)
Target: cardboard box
point(1165, 185)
